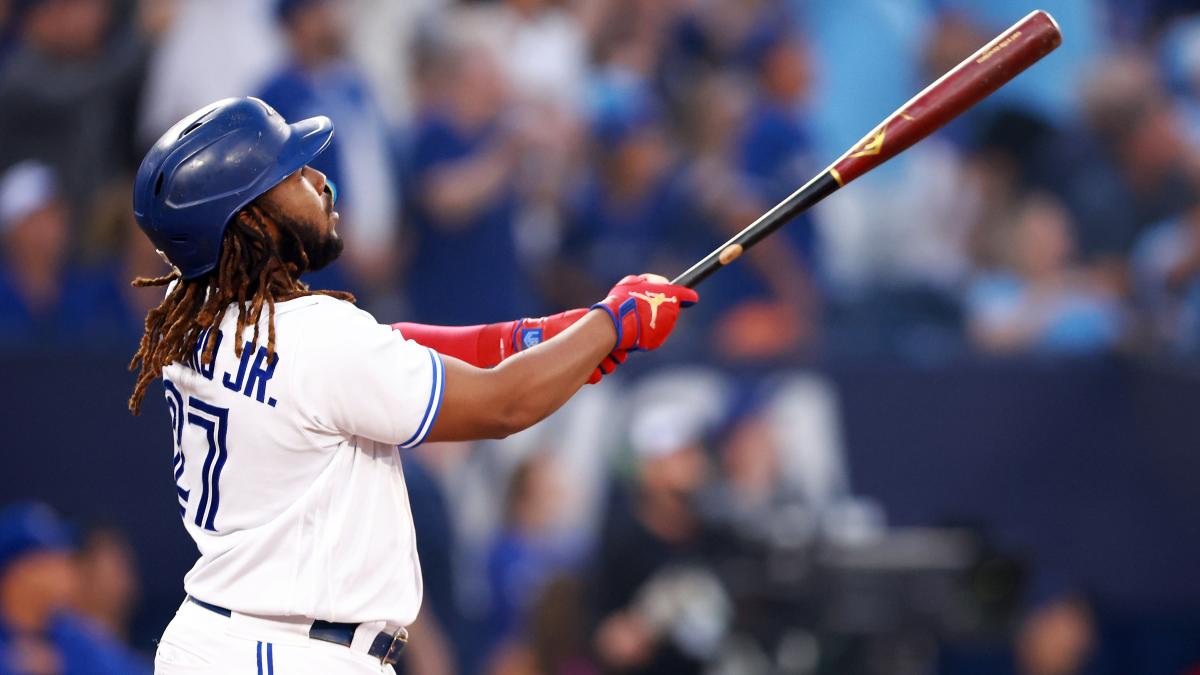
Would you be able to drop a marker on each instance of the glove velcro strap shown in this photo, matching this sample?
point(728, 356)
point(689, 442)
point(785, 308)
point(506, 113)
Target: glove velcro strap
point(615, 320)
point(626, 308)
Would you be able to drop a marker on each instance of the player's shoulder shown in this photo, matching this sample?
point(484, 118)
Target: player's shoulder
point(321, 308)
point(324, 320)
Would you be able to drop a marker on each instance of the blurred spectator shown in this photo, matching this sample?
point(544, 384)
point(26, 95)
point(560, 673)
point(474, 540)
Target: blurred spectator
point(44, 300)
point(1166, 272)
point(212, 49)
point(726, 201)
point(751, 487)
point(319, 79)
point(439, 619)
point(544, 51)
point(629, 36)
point(135, 256)
point(775, 147)
point(635, 204)
point(384, 38)
point(541, 47)
point(1056, 634)
point(464, 266)
point(650, 531)
point(527, 551)
point(555, 637)
point(773, 151)
point(70, 88)
point(1181, 60)
point(1056, 638)
point(38, 634)
point(1132, 167)
point(1040, 300)
point(109, 586)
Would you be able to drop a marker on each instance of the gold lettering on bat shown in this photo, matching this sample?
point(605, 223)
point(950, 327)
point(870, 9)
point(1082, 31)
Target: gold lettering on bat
point(873, 145)
point(908, 117)
point(999, 45)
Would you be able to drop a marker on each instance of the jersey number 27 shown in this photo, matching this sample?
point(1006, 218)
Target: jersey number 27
point(214, 421)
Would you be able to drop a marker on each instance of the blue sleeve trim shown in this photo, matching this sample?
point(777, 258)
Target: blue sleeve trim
point(434, 406)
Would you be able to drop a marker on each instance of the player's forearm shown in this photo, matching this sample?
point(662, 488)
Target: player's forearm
point(637, 314)
point(540, 380)
point(525, 388)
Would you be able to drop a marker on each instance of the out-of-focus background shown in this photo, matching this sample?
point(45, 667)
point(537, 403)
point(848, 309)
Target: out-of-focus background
point(946, 423)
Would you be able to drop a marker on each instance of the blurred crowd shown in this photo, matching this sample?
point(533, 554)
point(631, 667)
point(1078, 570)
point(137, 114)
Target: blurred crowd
point(514, 158)
point(717, 533)
point(509, 158)
point(66, 597)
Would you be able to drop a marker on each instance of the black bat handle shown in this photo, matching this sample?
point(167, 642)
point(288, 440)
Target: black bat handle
point(800, 201)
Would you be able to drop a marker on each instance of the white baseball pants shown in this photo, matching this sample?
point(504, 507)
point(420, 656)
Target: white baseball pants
point(201, 642)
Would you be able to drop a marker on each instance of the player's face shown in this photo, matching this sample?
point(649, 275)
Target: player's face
point(303, 204)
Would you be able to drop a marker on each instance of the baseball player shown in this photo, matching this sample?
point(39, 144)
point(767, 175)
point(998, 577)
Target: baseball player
point(290, 408)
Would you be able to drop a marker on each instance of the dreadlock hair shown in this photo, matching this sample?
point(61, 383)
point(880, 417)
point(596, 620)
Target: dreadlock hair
point(250, 272)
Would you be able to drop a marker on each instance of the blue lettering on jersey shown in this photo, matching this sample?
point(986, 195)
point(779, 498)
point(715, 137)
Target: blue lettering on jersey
point(261, 373)
point(175, 408)
point(236, 384)
point(196, 362)
point(253, 384)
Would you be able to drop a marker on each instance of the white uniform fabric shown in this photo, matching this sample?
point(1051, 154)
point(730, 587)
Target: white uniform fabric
point(200, 642)
point(288, 473)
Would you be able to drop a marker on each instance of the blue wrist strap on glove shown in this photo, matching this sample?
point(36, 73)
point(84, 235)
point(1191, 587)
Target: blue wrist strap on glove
point(626, 308)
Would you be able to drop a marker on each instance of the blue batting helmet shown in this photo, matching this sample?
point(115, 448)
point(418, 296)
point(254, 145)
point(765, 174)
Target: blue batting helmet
point(211, 165)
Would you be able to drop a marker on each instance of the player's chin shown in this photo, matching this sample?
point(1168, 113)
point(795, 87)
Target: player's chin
point(328, 250)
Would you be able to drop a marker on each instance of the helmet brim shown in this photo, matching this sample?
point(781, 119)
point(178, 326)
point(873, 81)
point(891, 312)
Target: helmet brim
point(309, 138)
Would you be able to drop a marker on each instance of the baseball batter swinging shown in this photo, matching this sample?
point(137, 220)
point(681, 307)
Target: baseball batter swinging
point(287, 405)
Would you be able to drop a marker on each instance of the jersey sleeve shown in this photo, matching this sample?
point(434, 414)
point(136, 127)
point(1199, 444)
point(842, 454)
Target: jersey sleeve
point(362, 378)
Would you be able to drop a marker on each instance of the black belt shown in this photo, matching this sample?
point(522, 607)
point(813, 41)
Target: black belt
point(386, 646)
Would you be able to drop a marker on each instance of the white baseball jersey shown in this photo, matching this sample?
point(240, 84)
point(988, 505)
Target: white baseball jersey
point(288, 472)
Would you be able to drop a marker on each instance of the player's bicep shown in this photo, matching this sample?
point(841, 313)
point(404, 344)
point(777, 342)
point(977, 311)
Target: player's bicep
point(371, 382)
point(474, 405)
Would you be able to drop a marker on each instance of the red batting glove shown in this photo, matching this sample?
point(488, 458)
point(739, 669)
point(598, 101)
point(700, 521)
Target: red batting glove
point(643, 309)
point(608, 365)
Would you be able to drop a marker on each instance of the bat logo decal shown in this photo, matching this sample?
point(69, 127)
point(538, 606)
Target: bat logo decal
point(872, 146)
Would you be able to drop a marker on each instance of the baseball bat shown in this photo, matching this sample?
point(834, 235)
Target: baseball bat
point(963, 86)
